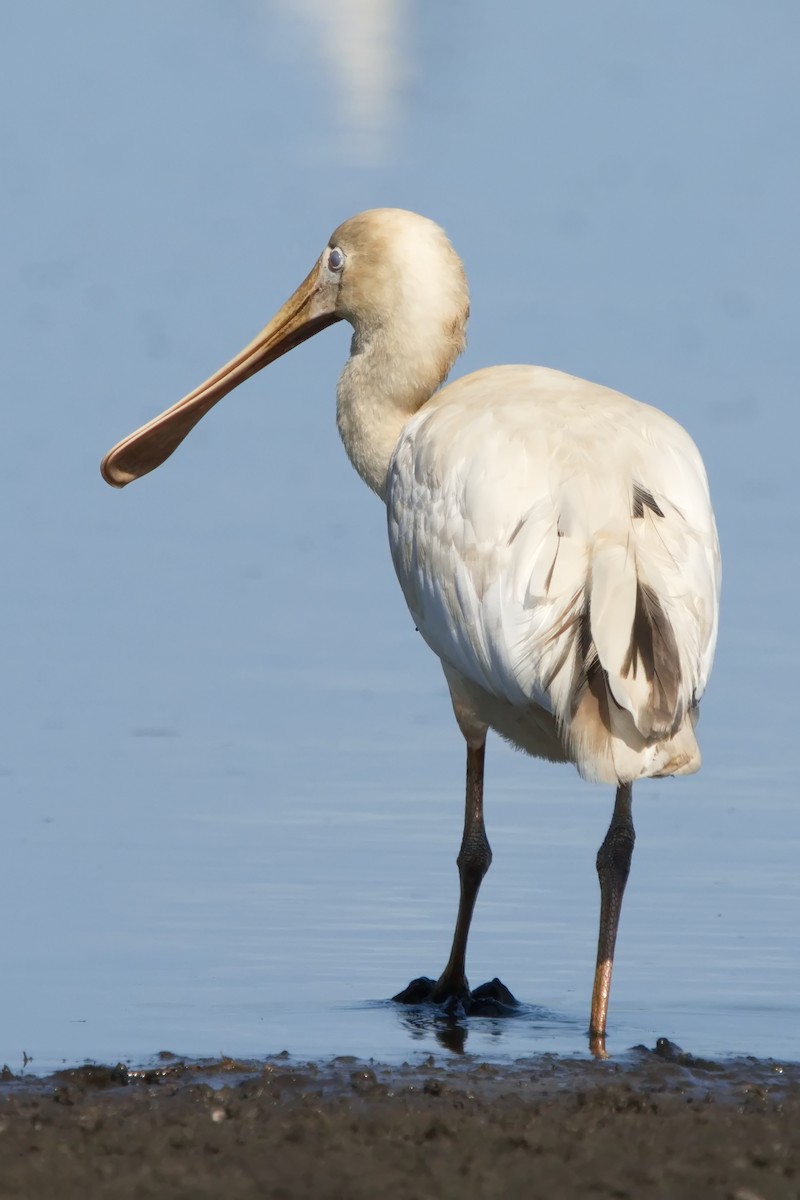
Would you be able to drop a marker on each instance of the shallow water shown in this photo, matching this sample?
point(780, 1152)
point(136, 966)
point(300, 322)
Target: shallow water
point(232, 782)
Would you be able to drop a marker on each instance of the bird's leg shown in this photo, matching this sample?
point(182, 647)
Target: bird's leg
point(451, 990)
point(474, 860)
point(613, 865)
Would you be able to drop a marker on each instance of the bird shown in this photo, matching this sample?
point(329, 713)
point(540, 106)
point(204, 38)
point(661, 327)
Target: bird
point(554, 540)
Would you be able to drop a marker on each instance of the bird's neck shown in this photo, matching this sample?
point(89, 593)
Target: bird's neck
point(382, 386)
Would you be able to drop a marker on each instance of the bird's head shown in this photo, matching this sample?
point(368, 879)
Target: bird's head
point(384, 270)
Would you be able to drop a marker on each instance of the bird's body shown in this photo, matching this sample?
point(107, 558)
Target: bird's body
point(555, 544)
point(554, 539)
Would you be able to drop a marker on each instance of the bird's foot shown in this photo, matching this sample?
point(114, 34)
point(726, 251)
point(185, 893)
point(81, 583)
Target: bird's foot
point(492, 999)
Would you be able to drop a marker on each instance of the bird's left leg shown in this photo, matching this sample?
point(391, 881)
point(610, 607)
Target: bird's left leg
point(451, 990)
point(613, 865)
point(474, 860)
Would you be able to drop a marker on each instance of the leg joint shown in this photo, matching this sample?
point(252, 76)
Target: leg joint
point(617, 849)
point(474, 859)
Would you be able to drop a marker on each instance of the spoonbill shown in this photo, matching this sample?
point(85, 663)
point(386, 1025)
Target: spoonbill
point(554, 539)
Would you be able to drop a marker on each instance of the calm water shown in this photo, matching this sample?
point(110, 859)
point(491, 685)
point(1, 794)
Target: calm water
point(231, 782)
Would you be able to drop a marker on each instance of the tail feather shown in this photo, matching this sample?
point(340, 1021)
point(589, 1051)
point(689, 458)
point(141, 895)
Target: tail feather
point(654, 651)
point(634, 640)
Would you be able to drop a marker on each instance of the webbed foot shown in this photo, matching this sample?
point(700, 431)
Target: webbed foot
point(492, 999)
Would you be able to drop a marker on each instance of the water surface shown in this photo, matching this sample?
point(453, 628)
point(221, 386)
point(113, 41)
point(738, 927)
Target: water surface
point(232, 785)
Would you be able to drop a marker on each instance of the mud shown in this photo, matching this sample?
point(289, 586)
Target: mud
point(653, 1124)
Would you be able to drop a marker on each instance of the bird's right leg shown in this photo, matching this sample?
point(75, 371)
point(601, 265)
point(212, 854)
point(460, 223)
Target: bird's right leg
point(613, 865)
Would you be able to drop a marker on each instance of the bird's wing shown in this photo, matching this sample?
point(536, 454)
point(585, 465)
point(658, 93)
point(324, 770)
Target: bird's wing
point(542, 528)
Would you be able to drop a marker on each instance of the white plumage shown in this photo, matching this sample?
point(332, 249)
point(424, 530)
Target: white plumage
point(554, 540)
point(529, 510)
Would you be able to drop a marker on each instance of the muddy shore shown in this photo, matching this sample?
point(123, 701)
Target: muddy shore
point(654, 1123)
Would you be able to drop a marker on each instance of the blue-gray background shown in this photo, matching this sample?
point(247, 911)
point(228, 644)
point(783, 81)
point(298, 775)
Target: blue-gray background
point(231, 783)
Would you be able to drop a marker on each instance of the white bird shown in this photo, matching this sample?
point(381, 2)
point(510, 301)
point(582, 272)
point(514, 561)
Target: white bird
point(554, 539)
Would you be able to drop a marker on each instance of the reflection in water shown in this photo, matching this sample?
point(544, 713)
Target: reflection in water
point(423, 1022)
point(363, 44)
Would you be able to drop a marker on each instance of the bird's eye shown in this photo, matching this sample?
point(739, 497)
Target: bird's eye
point(335, 259)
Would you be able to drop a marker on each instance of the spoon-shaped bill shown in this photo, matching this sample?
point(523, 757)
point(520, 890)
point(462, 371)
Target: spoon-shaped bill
point(304, 314)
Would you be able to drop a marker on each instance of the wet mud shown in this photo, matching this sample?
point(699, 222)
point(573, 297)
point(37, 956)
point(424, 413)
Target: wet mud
point(654, 1123)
